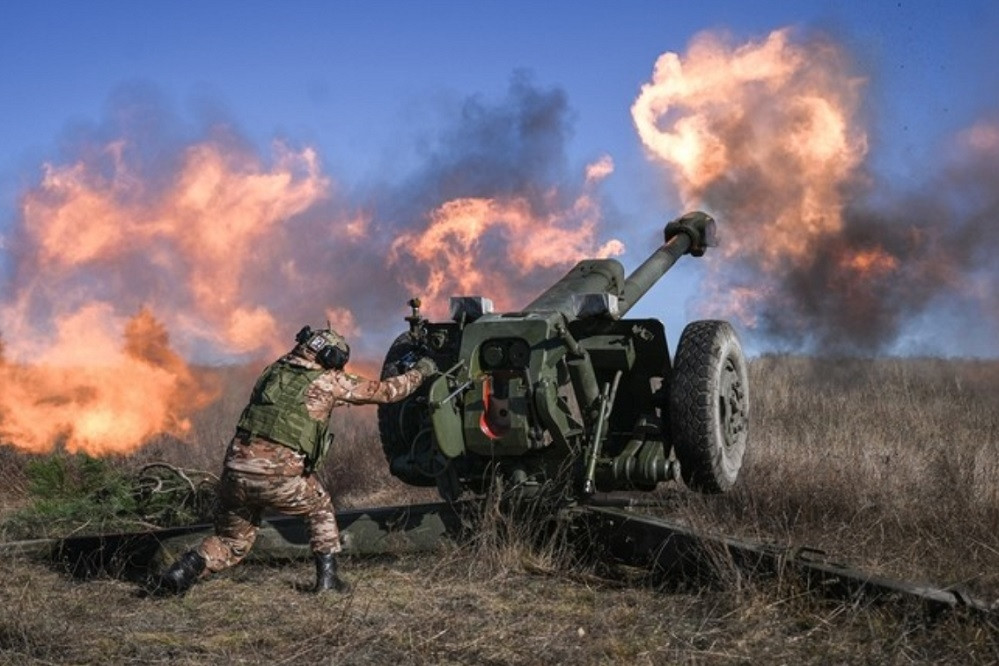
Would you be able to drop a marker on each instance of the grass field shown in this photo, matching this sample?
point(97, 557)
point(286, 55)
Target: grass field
point(890, 465)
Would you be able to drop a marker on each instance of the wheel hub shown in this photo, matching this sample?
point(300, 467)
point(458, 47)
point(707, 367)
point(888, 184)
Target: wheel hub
point(731, 404)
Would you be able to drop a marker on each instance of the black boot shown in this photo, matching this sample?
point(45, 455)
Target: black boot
point(327, 577)
point(179, 578)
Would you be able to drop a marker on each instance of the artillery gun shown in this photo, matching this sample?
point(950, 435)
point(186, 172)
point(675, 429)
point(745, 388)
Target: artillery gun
point(567, 392)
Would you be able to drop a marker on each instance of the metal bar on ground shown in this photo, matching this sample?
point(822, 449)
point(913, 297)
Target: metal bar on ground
point(673, 549)
point(372, 531)
point(662, 547)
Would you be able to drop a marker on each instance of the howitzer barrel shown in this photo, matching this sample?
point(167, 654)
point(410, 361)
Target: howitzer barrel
point(590, 276)
point(692, 233)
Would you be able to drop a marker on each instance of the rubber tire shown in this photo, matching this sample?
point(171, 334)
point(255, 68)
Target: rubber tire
point(391, 417)
point(709, 406)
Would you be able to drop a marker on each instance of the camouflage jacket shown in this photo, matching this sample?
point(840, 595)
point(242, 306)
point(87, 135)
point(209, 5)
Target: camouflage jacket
point(333, 388)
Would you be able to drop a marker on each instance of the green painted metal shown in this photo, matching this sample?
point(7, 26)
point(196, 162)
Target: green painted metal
point(446, 418)
point(523, 400)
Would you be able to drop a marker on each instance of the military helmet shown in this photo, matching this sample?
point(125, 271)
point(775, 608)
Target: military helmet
point(327, 347)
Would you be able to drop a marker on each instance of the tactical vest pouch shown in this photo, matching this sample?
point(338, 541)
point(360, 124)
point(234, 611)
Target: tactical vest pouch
point(277, 410)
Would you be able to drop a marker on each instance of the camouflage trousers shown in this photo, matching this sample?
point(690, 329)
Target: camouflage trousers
point(244, 497)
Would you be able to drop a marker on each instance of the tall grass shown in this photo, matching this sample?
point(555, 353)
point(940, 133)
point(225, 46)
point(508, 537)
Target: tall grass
point(888, 463)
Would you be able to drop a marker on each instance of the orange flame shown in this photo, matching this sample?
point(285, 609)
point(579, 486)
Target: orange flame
point(775, 112)
point(89, 394)
point(78, 369)
point(456, 256)
point(217, 213)
point(764, 135)
point(869, 263)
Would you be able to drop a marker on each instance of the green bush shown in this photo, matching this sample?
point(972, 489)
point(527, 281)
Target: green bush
point(78, 494)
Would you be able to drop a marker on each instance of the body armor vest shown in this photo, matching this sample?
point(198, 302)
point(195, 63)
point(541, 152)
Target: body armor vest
point(277, 410)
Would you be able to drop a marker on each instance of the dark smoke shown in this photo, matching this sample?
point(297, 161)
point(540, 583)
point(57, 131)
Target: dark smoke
point(943, 240)
point(511, 147)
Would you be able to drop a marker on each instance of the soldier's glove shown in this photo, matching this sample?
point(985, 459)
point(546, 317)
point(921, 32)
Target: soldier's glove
point(406, 363)
point(426, 367)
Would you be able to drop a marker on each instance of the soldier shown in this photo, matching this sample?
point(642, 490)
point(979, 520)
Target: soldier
point(281, 440)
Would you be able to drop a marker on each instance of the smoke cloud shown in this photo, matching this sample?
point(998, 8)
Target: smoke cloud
point(150, 247)
point(766, 136)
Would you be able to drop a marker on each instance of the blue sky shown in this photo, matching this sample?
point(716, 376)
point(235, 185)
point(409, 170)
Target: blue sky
point(348, 75)
point(373, 85)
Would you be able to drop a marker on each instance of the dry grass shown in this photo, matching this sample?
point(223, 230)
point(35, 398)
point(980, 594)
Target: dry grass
point(447, 609)
point(888, 464)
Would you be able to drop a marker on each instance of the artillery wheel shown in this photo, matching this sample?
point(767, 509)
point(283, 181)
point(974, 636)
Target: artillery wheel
point(402, 425)
point(709, 406)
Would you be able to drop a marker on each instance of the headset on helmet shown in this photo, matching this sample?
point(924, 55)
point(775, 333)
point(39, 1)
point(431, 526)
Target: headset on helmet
point(329, 354)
